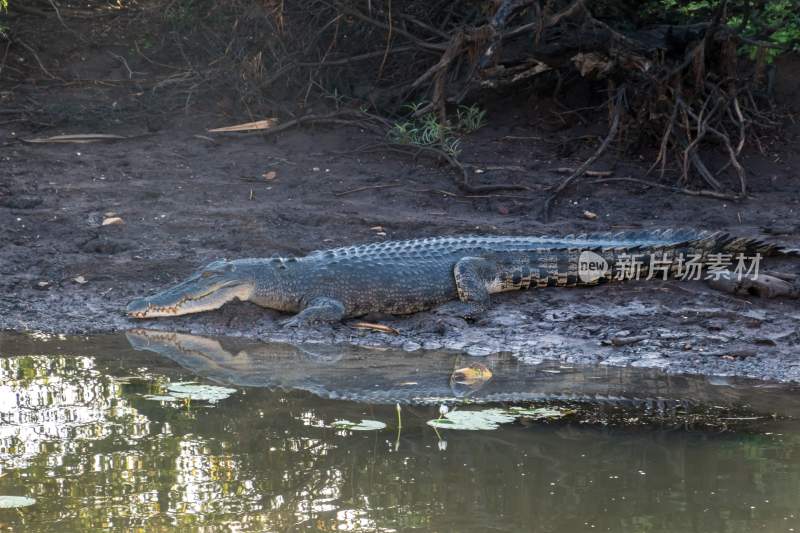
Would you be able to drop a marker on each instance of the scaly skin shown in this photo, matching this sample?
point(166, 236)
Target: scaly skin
point(401, 277)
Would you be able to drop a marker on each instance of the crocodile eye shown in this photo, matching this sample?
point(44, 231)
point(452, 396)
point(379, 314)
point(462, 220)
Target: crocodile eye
point(207, 274)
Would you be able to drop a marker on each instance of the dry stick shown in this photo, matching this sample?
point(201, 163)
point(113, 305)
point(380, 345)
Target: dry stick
point(30, 49)
point(733, 160)
point(124, 63)
point(331, 118)
point(64, 24)
point(463, 183)
point(468, 196)
point(367, 188)
point(662, 152)
point(421, 24)
point(612, 133)
point(682, 190)
point(388, 43)
point(741, 125)
point(731, 153)
point(690, 152)
point(5, 58)
point(423, 44)
point(353, 59)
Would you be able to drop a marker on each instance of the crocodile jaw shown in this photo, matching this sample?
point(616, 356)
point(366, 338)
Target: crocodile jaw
point(172, 302)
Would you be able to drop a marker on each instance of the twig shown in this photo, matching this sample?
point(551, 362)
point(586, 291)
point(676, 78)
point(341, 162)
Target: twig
point(353, 59)
point(359, 15)
point(592, 173)
point(64, 24)
point(612, 133)
point(388, 42)
point(662, 152)
point(682, 190)
point(335, 118)
point(5, 58)
point(124, 63)
point(30, 49)
point(456, 195)
point(462, 183)
point(366, 188)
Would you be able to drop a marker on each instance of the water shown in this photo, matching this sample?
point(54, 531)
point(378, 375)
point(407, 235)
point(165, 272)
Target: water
point(78, 434)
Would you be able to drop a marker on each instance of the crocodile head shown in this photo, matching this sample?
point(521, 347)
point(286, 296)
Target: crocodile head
point(209, 288)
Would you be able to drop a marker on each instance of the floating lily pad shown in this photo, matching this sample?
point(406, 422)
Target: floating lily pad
point(489, 419)
point(196, 391)
point(8, 502)
point(486, 419)
point(364, 425)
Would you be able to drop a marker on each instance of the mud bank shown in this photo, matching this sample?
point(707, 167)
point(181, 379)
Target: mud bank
point(183, 197)
point(184, 201)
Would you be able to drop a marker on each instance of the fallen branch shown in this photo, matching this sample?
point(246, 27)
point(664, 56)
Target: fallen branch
point(612, 133)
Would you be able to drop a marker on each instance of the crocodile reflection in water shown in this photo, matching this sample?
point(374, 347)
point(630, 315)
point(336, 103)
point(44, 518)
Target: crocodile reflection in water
point(387, 377)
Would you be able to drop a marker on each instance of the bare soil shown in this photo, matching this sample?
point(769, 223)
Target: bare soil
point(187, 197)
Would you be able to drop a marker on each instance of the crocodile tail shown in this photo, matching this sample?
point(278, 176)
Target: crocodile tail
point(723, 242)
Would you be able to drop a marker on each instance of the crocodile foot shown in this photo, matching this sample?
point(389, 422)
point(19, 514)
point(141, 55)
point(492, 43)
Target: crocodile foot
point(467, 310)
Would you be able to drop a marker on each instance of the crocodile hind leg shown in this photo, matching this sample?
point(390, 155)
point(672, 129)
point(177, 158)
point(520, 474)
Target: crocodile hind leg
point(473, 276)
point(318, 310)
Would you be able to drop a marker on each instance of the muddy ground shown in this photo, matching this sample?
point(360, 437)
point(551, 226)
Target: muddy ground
point(187, 197)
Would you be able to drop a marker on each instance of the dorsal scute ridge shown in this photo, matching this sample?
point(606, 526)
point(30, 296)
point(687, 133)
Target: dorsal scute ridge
point(714, 241)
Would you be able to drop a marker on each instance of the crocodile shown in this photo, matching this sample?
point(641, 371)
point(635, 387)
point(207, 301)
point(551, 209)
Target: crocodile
point(457, 273)
point(387, 377)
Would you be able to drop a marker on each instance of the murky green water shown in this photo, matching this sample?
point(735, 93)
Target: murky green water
point(79, 434)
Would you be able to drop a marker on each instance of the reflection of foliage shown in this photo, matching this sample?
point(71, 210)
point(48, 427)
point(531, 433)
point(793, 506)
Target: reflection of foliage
point(265, 461)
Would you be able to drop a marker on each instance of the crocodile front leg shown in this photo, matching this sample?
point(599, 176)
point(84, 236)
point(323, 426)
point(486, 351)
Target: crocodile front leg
point(473, 276)
point(318, 310)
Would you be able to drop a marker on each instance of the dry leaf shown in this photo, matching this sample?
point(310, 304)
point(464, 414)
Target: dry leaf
point(269, 176)
point(248, 126)
point(111, 221)
point(375, 327)
point(589, 215)
point(81, 138)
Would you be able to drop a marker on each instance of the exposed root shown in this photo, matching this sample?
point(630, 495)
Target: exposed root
point(686, 94)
